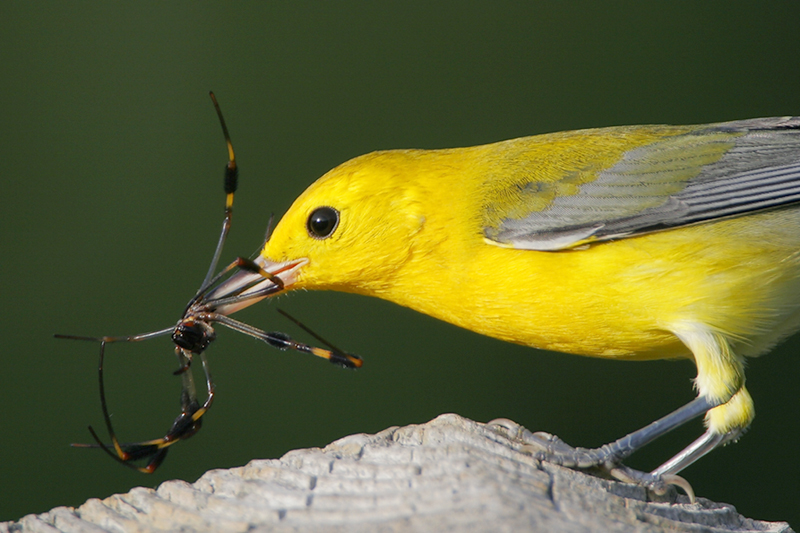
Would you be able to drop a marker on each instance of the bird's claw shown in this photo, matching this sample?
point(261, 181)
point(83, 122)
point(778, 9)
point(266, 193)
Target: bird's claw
point(656, 484)
point(549, 448)
point(545, 446)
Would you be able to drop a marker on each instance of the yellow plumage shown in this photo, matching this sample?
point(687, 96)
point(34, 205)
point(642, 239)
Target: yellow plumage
point(634, 242)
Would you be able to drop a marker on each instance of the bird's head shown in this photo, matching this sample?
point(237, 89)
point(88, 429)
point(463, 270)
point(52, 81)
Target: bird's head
point(352, 230)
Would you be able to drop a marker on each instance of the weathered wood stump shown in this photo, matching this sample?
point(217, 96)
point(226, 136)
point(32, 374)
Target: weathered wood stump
point(451, 474)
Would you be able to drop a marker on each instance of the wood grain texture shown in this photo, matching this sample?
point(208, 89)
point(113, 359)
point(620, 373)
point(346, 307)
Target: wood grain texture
point(451, 474)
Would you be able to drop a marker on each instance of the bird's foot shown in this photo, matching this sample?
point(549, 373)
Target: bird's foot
point(551, 449)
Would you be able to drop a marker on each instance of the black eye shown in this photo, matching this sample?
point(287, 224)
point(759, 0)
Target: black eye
point(322, 222)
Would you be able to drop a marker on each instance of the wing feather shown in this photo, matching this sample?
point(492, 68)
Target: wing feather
point(706, 173)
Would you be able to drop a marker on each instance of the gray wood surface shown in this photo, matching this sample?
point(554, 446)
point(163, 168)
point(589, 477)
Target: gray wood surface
point(451, 474)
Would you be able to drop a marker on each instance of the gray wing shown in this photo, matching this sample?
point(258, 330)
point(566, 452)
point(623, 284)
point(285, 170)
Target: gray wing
point(667, 184)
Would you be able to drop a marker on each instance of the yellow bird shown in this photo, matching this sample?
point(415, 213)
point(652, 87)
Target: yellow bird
point(636, 242)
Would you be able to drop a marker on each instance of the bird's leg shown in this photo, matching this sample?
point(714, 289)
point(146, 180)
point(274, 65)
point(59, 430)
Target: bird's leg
point(723, 398)
point(725, 423)
point(705, 443)
point(609, 457)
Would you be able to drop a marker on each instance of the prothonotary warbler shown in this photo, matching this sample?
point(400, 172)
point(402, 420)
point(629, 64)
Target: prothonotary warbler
point(636, 242)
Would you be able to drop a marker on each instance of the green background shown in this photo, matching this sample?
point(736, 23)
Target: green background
point(111, 183)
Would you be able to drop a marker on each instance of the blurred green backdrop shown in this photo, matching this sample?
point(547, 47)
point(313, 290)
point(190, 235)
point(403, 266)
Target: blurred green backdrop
point(113, 160)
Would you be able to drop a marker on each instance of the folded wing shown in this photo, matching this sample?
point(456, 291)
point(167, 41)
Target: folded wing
point(705, 173)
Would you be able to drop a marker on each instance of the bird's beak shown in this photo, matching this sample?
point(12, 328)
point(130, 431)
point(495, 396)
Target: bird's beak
point(273, 278)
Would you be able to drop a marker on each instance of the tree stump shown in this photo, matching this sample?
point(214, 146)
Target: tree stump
point(451, 474)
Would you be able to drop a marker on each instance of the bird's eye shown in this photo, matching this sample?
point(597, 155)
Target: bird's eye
point(322, 222)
